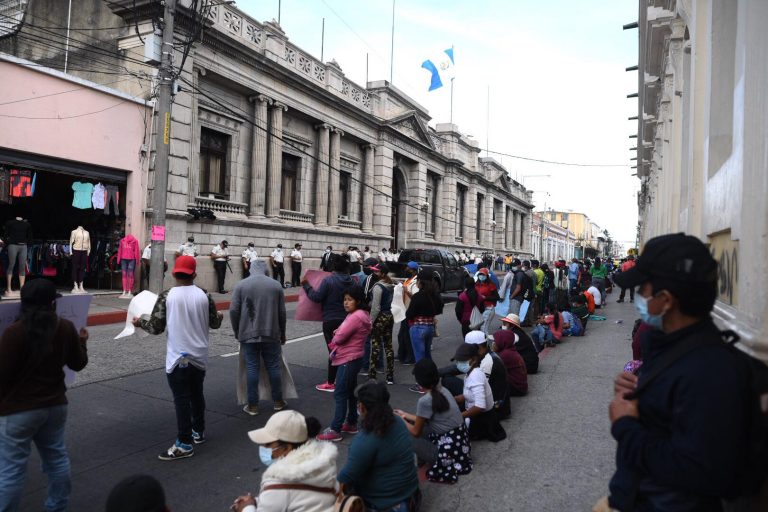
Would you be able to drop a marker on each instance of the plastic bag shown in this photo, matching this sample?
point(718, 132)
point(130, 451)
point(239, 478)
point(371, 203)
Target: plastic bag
point(141, 304)
point(398, 306)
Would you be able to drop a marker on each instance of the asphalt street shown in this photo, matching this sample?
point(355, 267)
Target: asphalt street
point(558, 455)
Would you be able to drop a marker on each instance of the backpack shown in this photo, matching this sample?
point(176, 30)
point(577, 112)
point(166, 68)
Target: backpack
point(753, 495)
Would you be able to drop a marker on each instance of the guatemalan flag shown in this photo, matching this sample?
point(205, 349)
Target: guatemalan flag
point(441, 66)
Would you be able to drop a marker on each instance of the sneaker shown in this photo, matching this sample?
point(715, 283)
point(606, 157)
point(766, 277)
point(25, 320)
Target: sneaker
point(349, 429)
point(390, 380)
point(326, 386)
point(129, 295)
point(179, 450)
point(280, 405)
point(198, 437)
point(253, 410)
point(619, 301)
point(329, 435)
point(417, 389)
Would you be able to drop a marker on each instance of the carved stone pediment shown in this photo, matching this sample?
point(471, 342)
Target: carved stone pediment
point(412, 127)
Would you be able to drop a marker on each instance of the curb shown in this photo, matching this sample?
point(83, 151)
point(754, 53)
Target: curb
point(118, 317)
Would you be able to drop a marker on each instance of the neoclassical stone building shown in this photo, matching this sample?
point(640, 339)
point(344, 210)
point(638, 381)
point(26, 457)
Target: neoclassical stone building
point(284, 148)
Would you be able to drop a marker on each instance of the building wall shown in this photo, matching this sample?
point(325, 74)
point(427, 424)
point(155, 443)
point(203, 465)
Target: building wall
point(702, 127)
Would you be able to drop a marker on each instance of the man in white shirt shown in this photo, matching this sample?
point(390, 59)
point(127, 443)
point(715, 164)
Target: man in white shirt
point(596, 295)
point(296, 259)
point(383, 255)
point(220, 257)
point(188, 249)
point(366, 253)
point(354, 260)
point(276, 259)
point(186, 313)
point(249, 256)
point(146, 257)
point(392, 255)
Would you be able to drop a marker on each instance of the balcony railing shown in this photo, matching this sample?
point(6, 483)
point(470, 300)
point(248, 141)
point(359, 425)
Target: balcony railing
point(351, 224)
point(221, 206)
point(293, 216)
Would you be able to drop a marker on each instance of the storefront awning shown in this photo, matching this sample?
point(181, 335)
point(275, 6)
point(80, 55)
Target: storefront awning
point(10, 157)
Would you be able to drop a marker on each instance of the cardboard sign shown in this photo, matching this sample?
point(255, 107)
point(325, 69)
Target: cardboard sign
point(72, 307)
point(158, 233)
point(306, 309)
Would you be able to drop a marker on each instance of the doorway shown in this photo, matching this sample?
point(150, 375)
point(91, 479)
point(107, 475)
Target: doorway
point(399, 202)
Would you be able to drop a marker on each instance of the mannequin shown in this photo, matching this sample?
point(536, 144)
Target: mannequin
point(80, 241)
point(127, 257)
point(18, 233)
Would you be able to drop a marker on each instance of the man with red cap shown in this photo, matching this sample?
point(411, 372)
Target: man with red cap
point(186, 312)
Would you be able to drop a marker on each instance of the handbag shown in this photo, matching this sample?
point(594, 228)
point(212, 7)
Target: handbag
point(476, 319)
point(344, 502)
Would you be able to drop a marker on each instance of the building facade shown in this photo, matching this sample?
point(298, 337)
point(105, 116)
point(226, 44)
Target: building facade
point(549, 240)
point(283, 148)
point(701, 143)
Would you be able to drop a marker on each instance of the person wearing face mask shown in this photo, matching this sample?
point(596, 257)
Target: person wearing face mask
point(325, 259)
point(519, 286)
point(681, 426)
point(220, 256)
point(249, 256)
point(380, 466)
point(276, 260)
point(301, 472)
point(493, 368)
point(189, 248)
point(477, 397)
point(490, 293)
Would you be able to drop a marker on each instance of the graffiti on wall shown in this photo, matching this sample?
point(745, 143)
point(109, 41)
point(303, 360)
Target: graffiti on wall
point(726, 252)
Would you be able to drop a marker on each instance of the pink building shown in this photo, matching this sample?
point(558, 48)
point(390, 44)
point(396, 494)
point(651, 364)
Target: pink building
point(59, 133)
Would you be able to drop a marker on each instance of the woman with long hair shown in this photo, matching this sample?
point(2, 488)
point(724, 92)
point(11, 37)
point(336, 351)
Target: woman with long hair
point(301, 472)
point(380, 467)
point(346, 356)
point(425, 305)
point(469, 298)
point(440, 437)
point(549, 330)
point(33, 402)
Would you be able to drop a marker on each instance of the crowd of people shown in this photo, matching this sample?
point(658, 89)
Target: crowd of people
point(505, 326)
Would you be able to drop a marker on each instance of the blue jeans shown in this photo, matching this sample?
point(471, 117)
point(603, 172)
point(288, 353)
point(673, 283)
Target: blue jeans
point(573, 283)
point(400, 507)
point(187, 387)
point(421, 339)
point(344, 394)
point(271, 352)
point(44, 426)
point(540, 335)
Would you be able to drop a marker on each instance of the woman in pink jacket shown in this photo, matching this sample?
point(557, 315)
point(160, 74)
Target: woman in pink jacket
point(347, 355)
point(128, 257)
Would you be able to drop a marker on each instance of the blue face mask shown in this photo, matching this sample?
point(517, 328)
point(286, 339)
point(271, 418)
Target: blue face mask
point(463, 366)
point(265, 454)
point(481, 278)
point(641, 305)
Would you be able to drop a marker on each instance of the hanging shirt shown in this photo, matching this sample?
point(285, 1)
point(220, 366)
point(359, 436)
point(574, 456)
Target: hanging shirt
point(22, 183)
point(83, 195)
point(99, 196)
point(5, 185)
point(80, 240)
point(146, 254)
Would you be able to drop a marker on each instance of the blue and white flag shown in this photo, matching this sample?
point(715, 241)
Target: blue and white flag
point(441, 66)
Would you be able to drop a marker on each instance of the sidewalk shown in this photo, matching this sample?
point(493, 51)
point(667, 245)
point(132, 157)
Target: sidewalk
point(110, 309)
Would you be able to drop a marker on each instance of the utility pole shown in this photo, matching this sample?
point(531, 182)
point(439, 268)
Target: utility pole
point(162, 150)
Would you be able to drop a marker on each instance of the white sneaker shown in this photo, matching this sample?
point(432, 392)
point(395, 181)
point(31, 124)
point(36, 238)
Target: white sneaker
point(75, 290)
point(129, 295)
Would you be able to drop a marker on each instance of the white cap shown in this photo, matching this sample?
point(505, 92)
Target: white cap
point(287, 426)
point(475, 338)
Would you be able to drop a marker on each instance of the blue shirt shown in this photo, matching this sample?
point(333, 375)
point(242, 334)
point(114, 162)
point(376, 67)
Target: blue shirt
point(381, 468)
point(83, 195)
point(573, 271)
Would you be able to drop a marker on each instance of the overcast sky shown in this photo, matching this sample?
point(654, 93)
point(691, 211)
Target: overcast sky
point(555, 69)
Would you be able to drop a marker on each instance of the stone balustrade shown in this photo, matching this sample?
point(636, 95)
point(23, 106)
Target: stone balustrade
point(290, 215)
point(221, 206)
point(350, 224)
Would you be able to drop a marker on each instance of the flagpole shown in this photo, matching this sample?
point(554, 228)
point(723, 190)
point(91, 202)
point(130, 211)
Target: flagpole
point(322, 42)
point(451, 100)
point(392, 46)
point(488, 122)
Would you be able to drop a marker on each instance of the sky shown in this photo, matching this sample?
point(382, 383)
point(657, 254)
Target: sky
point(552, 71)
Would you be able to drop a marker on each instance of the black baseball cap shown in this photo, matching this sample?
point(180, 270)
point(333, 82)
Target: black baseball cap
point(39, 292)
point(516, 262)
point(465, 352)
point(369, 262)
point(678, 257)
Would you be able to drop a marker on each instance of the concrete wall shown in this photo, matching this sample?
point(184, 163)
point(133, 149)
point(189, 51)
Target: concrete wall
point(704, 124)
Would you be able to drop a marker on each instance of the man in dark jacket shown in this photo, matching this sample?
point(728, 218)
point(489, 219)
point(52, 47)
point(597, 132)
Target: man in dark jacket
point(330, 294)
point(680, 426)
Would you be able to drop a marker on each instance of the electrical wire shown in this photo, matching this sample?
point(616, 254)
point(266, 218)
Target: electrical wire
point(60, 118)
point(79, 89)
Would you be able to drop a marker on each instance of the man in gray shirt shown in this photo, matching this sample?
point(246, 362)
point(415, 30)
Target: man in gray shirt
point(258, 318)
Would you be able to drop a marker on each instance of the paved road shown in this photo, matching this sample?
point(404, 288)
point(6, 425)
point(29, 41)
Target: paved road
point(558, 455)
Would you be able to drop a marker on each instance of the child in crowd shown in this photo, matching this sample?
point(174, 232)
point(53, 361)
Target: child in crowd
point(549, 329)
point(572, 325)
point(445, 447)
point(347, 356)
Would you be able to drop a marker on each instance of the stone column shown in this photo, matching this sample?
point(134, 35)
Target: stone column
point(438, 208)
point(321, 182)
point(513, 241)
point(382, 180)
point(368, 184)
point(334, 196)
point(275, 160)
point(470, 216)
point(257, 197)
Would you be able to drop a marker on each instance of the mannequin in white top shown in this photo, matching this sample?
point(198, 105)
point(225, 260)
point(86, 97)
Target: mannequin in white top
point(80, 242)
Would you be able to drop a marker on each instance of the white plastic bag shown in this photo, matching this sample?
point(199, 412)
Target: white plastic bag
point(398, 306)
point(141, 304)
point(265, 389)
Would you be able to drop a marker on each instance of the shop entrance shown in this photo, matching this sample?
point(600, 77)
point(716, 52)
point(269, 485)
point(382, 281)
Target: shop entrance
point(50, 213)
